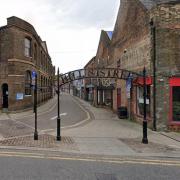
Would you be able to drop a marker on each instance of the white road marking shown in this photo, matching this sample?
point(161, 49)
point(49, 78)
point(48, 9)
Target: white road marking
point(63, 114)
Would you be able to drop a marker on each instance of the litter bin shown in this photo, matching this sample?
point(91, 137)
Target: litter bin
point(122, 112)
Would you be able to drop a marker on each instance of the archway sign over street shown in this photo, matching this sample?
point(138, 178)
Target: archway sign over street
point(97, 73)
point(100, 73)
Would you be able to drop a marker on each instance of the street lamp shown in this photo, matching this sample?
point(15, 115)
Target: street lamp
point(58, 110)
point(145, 139)
point(35, 108)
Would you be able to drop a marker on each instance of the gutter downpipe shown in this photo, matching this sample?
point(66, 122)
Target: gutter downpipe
point(153, 33)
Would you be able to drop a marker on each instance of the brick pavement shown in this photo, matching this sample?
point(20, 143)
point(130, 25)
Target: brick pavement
point(44, 141)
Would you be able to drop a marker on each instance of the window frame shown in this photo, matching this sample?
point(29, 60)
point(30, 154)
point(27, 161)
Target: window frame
point(27, 47)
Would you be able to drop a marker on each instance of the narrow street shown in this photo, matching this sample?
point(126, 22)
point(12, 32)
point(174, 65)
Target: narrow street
point(17, 125)
point(90, 90)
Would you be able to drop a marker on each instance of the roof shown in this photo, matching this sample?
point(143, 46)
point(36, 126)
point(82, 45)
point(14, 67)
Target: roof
point(151, 3)
point(89, 62)
point(109, 33)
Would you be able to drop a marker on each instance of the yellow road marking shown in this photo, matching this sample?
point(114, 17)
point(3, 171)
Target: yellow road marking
point(92, 159)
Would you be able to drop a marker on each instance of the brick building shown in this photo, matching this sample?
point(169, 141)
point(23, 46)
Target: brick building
point(99, 91)
point(88, 83)
point(21, 52)
point(147, 34)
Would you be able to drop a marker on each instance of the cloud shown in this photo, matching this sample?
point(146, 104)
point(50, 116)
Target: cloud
point(85, 13)
point(71, 28)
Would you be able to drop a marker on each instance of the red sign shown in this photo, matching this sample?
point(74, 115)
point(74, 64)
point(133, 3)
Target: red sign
point(174, 81)
point(140, 80)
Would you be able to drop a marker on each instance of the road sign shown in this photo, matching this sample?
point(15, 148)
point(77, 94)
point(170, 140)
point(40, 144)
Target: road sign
point(19, 96)
point(128, 86)
point(33, 76)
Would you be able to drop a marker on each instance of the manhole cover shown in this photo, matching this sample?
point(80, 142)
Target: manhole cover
point(102, 176)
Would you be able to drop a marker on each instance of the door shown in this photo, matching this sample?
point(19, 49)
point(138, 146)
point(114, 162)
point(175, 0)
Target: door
point(4, 96)
point(118, 97)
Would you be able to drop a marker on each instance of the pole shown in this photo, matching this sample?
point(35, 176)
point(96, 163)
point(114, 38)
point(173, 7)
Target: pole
point(35, 108)
point(58, 117)
point(153, 31)
point(144, 140)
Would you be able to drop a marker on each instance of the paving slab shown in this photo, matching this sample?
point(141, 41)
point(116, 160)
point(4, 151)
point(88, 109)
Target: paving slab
point(103, 146)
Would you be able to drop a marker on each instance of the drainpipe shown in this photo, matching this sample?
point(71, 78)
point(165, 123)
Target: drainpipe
point(153, 33)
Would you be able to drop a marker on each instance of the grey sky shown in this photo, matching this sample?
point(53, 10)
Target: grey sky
point(71, 28)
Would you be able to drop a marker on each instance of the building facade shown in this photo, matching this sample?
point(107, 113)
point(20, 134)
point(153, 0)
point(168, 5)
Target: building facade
point(147, 34)
point(89, 86)
point(21, 52)
point(99, 89)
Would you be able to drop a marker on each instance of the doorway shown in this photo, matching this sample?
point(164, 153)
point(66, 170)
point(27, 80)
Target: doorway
point(5, 96)
point(118, 97)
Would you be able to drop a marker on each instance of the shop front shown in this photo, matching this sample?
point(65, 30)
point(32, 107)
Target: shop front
point(174, 83)
point(105, 96)
point(138, 83)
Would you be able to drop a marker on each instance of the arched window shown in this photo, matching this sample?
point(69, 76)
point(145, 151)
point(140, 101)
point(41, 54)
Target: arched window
point(27, 47)
point(28, 83)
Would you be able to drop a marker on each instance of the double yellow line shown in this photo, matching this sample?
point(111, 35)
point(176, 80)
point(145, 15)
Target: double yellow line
point(122, 160)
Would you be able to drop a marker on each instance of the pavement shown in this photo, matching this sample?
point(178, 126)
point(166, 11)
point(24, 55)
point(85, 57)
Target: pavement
point(101, 133)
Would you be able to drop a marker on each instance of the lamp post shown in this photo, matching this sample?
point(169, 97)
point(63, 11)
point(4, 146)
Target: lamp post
point(153, 33)
point(35, 108)
point(145, 139)
point(58, 138)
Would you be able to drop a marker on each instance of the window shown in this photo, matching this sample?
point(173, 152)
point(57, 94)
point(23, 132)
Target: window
point(176, 103)
point(28, 83)
point(175, 99)
point(140, 100)
point(35, 52)
point(27, 47)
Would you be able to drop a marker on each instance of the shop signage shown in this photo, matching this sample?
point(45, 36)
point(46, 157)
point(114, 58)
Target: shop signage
point(19, 96)
point(97, 73)
point(33, 76)
point(128, 85)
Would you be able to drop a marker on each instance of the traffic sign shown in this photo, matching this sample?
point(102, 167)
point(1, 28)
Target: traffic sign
point(128, 85)
point(33, 74)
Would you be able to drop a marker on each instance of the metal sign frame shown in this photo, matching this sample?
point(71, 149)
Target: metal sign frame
point(116, 73)
point(97, 73)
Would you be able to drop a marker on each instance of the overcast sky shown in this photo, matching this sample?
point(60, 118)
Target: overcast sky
point(71, 28)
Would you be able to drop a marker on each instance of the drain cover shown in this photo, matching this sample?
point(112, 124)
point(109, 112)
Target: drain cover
point(102, 176)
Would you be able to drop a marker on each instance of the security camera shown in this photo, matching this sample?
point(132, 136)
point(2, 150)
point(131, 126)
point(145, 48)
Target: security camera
point(125, 50)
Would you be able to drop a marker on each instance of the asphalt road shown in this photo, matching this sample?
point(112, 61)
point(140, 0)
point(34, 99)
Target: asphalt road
point(34, 168)
point(70, 110)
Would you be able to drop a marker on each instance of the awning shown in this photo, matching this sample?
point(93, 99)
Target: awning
point(140, 80)
point(174, 81)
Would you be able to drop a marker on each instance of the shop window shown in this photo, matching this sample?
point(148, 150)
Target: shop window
point(28, 83)
point(140, 100)
point(176, 103)
point(27, 47)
